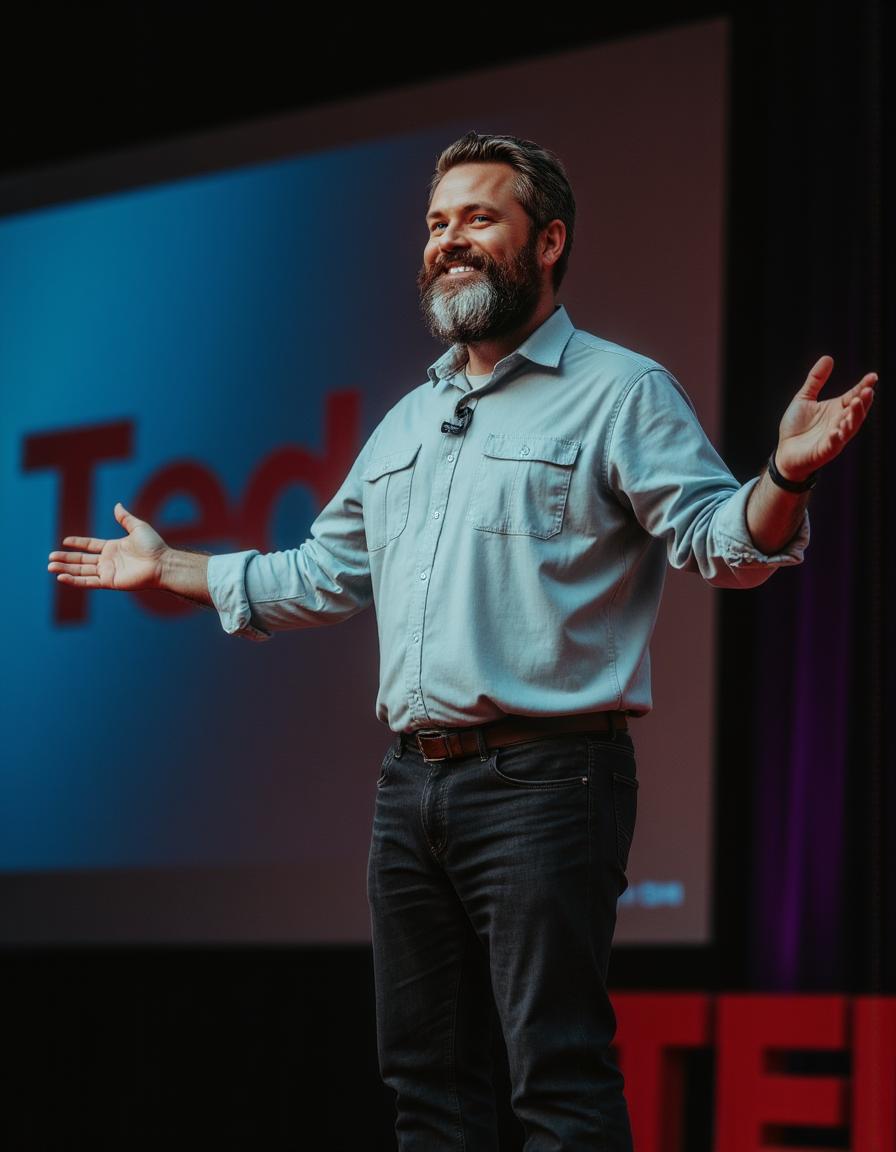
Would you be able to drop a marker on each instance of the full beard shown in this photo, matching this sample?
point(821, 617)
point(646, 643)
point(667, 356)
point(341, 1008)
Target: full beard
point(502, 296)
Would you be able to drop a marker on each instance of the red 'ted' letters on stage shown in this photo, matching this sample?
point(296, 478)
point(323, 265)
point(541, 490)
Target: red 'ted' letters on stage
point(654, 1031)
point(753, 1095)
point(757, 1092)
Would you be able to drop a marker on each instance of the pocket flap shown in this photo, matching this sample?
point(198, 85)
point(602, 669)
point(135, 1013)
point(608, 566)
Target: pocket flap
point(391, 462)
point(519, 446)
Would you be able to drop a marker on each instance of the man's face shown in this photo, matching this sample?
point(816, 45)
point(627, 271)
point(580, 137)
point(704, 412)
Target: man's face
point(479, 229)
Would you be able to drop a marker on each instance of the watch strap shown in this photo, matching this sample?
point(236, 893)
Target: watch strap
point(790, 485)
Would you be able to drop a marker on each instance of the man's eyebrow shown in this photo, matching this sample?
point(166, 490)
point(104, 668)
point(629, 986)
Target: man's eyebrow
point(433, 213)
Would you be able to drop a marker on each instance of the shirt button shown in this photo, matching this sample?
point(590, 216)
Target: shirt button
point(524, 451)
point(416, 637)
point(436, 514)
point(450, 457)
point(423, 575)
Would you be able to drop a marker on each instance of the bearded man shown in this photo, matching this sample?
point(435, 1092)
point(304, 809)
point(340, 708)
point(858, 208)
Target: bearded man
point(511, 520)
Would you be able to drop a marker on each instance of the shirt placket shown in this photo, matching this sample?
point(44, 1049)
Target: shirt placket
point(449, 453)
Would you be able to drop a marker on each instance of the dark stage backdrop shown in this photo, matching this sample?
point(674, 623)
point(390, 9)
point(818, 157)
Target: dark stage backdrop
point(208, 330)
point(809, 802)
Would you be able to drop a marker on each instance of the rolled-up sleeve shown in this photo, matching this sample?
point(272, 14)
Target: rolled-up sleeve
point(661, 461)
point(746, 561)
point(227, 588)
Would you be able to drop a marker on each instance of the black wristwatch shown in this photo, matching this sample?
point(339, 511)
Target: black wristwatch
point(790, 485)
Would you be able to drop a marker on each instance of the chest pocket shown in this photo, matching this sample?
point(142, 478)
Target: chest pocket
point(387, 495)
point(522, 483)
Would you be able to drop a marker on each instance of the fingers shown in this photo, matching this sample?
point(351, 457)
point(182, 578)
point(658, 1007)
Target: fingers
point(92, 543)
point(864, 391)
point(818, 377)
point(852, 419)
point(79, 581)
point(847, 425)
point(85, 543)
point(78, 558)
point(72, 564)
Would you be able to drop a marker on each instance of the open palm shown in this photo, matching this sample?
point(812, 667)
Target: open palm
point(128, 563)
point(812, 432)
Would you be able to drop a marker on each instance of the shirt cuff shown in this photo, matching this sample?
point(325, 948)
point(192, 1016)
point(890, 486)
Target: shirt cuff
point(738, 548)
point(227, 589)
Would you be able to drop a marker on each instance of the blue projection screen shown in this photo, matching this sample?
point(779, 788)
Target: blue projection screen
point(208, 331)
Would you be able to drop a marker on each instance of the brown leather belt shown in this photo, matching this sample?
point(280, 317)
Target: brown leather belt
point(449, 743)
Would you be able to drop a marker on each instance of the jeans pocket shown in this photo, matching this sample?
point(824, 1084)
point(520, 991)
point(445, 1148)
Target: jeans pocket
point(542, 764)
point(387, 496)
point(385, 766)
point(521, 485)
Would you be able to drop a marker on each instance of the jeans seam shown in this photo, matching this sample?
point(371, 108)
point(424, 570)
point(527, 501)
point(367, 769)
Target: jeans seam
point(442, 816)
point(623, 840)
point(452, 1046)
point(590, 895)
point(590, 834)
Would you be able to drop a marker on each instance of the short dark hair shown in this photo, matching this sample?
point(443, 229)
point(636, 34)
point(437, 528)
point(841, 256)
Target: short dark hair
point(541, 184)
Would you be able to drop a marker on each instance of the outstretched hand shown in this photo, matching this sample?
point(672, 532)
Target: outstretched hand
point(812, 431)
point(129, 563)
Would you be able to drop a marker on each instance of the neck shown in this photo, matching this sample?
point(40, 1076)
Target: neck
point(485, 354)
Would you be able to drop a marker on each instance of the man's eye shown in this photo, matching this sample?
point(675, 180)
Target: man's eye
point(438, 224)
point(479, 216)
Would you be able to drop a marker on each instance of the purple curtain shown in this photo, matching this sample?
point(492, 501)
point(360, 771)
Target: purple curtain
point(811, 224)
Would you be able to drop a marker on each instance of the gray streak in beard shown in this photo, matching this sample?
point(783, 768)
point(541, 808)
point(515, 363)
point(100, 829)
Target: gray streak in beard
point(469, 309)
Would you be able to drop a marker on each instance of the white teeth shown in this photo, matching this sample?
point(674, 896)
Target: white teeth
point(460, 268)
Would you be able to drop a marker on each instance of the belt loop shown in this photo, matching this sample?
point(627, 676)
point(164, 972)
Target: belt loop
point(399, 746)
point(483, 747)
point(613, 726)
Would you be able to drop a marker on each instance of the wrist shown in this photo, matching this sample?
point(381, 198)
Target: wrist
point(788, 480)
point(184, 571)
point(163, 569)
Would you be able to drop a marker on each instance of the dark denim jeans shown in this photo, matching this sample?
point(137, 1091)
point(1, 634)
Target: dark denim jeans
point(498, 877)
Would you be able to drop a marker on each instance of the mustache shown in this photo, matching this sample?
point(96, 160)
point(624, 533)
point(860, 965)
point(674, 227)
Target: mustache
point(471, 261)
point(428, 276)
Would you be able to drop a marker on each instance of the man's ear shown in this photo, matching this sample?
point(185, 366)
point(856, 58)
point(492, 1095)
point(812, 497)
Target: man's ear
point(552, 241)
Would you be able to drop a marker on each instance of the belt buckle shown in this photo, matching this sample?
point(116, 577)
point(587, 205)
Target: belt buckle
point(433, 734)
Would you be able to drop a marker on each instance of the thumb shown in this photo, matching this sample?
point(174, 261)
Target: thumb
point(818, 375)
point(124, 518)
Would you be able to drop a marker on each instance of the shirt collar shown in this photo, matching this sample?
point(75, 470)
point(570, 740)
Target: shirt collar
point(543, 346)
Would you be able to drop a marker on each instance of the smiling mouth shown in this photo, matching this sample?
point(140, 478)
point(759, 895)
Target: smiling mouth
point(459, 270)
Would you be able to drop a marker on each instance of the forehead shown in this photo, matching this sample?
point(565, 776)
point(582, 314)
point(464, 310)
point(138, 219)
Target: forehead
point(470, 183)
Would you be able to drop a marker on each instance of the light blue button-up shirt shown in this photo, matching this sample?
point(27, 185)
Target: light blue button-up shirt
point(516, 565)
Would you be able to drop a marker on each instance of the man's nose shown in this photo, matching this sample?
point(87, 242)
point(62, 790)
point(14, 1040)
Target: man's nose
point(452, 236)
